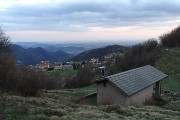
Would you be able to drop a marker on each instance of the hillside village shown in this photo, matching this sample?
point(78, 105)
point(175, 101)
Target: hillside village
point(94, 63)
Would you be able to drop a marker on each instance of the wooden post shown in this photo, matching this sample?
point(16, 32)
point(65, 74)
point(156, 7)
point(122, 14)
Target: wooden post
point(158, 90)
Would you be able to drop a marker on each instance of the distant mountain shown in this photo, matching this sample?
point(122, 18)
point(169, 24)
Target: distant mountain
point(99, 52)
point(32, 56)
point(31, 44)
point(68, 48)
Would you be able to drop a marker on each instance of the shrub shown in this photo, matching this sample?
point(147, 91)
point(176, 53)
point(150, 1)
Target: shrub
point(28, 81)
point(171, 39)
point(83, 78)
point(7, 70)
point(150, 45)
point(16, 78)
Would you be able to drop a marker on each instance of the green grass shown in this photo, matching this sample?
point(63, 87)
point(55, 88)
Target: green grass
point(89, 88)
point(61, 73)
point(63, 105)
point(91, 100)
point(170, 64)
point(79, 92)
point(46, 107)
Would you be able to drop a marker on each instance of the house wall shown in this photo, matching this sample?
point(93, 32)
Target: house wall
point(111, 95)
point(140, 98)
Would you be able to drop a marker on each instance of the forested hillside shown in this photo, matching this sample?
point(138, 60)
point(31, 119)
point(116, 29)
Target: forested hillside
point(99, 52)
point(32, 56)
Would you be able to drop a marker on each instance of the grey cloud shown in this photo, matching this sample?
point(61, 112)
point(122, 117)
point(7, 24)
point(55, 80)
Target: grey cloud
point(79, 15)
point(167, 6)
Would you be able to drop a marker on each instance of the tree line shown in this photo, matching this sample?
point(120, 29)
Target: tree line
point(19, 79)
point(143, 54)
point(171, 39)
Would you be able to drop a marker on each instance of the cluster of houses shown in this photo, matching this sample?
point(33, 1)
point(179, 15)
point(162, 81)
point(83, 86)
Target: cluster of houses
point(46, 65)
point(94, 63)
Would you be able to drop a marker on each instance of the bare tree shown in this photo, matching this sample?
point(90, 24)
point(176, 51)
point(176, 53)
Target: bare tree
point(150, 44)
point(171, 39)
point(4, 42)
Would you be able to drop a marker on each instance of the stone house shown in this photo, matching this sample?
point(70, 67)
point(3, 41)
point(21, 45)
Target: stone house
point(44, 65)
point(130, 88)
point(94, 67)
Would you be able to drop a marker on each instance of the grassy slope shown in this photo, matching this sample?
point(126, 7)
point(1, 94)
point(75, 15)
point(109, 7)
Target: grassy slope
point(62, 104)
point(47, 107)
point(61, 73)
point(170, 64)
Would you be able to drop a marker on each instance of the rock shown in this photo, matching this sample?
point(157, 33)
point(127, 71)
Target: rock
point(174, 94)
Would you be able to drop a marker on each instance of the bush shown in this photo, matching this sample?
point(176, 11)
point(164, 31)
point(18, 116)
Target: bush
point(14, 78)
point(150, 45)
point(83, 78)
point(28, 81)
point(171, 39)
point(7, 70)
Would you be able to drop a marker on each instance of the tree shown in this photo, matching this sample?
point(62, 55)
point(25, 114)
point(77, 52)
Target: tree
point(6, 62)
point(171, 39)
point(136, 56)
point(74, 66)
point(4, 42)
point(83, 78)
point(150, 44)
point(16, 78)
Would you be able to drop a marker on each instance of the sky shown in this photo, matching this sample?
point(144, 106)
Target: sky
point(87, 20)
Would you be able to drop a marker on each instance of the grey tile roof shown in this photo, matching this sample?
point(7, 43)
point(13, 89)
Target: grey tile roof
point(137, 79)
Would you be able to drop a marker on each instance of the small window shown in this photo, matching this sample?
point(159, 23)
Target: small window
point(104, 84)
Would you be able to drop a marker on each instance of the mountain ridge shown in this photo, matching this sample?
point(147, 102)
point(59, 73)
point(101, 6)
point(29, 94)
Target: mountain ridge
point(32, 56)
point(99, 52)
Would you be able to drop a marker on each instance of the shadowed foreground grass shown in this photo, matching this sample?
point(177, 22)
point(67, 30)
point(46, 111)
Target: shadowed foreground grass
point(61, 104)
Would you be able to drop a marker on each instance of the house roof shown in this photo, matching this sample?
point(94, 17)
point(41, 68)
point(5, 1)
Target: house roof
point(132, 81)
point(94, 66)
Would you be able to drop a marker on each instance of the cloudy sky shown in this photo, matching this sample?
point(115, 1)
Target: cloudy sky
point(87, 20)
